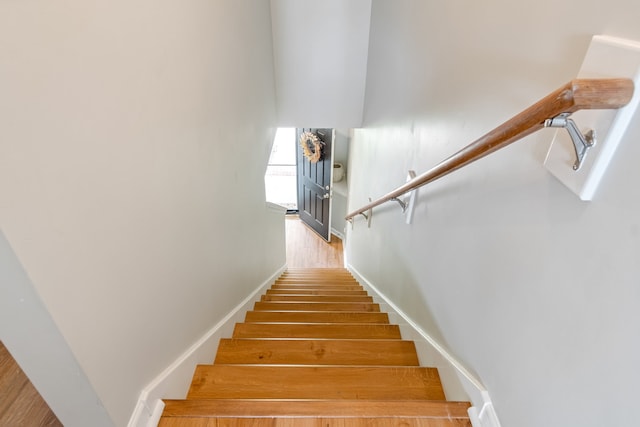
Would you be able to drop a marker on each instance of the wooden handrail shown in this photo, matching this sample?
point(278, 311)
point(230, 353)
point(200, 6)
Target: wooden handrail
point(580, 94)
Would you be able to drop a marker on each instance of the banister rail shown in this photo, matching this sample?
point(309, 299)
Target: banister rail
point(579, 94)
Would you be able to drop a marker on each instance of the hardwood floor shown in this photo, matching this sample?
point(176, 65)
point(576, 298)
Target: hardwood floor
point(305, 249)
point(21, 404)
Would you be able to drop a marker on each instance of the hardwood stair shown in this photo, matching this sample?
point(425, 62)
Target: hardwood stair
point(315, 351)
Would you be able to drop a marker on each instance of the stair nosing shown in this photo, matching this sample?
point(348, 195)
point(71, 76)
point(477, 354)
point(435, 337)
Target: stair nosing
point(328, 408)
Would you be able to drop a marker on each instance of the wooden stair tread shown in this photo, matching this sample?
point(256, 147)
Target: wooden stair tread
point(311, 282)
point(326, 382)
point(316, 277)
point(315, 317)
point(320, 297)
point(317, 273)
point(342, 292)
point(317, 270)
point(277, 287)
point(310, 408)
point(286, 421)
point(319, 282)
point(316, 298)
point(316, 306)
point(317, 352)
point(323, 274)
point(300, 330)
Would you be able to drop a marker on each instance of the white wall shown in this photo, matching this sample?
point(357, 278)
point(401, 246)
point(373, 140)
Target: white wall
point(133, 144)
point(320, 54)
point(534, 290)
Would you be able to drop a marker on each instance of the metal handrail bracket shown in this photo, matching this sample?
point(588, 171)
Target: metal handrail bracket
point(581, 142)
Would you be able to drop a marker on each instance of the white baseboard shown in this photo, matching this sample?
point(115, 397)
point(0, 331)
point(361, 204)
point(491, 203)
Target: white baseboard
point(337, 233)
point(482, 413)
point(486, 416)
point(174, 381)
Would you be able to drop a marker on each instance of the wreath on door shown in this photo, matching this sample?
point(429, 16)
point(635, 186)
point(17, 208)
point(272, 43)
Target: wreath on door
point(311, 146)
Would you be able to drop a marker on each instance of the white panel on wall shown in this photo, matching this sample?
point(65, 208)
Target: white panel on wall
point(607, 57)
point(320, 61)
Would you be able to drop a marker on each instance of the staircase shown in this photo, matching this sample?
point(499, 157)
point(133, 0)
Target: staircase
point(315, 351)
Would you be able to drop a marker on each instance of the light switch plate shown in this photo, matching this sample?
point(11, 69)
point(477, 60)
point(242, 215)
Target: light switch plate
point(607, 57)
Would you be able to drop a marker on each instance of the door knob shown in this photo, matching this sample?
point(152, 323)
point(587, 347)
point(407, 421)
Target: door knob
point(326, 196)
point(327, 188)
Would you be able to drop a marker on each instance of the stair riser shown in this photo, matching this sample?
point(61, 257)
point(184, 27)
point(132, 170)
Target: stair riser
point(339, 292)
point(344, 331)
point(318, 317)
point(316, 288)
point(315, 282)
point(315, 298)
point(316, 279)
point(316, 306)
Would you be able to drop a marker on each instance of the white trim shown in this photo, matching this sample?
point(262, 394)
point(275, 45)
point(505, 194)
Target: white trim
point(337, 234)
point(479, 395)
point(333, 149)
point(274, 207)
point(486, 417)
point(178, 374)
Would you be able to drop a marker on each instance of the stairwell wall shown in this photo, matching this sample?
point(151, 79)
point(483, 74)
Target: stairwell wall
point(320, 57)
point(134, 139)
point(533, 290)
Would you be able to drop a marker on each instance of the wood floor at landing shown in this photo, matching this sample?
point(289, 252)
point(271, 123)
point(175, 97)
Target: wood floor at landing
point(305, 249)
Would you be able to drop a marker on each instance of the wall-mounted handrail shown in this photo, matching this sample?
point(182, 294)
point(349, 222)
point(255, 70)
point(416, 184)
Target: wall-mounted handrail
point(580, 94)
